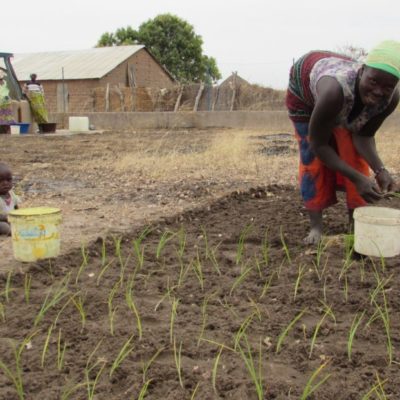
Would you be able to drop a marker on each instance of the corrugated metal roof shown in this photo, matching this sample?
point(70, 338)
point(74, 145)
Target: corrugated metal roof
point(79, 64)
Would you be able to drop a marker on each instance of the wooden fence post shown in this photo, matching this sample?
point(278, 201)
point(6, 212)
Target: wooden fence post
point(178, 100)
point(107, 97)
point(200, 92)
point(234, 91)
point(215, 99)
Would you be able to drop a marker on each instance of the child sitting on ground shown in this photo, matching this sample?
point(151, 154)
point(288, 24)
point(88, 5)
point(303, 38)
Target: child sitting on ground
point(8, 199)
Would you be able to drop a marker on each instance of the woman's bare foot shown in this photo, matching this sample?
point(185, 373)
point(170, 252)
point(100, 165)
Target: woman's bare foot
point(313, 237)
point(316, 227)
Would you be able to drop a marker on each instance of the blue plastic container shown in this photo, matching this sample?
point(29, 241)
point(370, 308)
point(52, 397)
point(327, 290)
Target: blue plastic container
point(23, 127)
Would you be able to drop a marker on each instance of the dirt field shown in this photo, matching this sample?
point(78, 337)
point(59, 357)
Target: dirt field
point(201, 285)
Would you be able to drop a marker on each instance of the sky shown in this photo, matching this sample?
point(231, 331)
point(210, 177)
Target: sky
point(258, 39)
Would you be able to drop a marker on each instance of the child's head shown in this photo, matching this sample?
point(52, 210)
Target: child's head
point(5, 179)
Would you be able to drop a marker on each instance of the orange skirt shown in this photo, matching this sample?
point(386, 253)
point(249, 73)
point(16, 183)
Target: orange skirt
point(318, 183)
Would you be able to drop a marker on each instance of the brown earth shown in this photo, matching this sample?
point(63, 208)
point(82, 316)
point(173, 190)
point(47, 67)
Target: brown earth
point(228, 268)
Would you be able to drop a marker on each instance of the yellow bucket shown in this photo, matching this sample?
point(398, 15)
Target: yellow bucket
point(35, 233)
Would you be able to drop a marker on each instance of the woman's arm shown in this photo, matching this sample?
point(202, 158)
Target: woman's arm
point(364, 142)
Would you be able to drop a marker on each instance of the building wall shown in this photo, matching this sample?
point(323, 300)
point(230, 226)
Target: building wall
point(76, 96)
point(146, 70)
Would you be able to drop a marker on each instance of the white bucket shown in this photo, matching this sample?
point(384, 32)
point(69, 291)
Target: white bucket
point(78, 124)
point(377, 231)
point(14, 129)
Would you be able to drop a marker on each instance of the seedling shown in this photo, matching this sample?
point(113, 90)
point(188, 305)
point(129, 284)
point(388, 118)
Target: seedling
point(79, 304)
point(138, 248)
point(139, 251)
point(192, 397)
point(328, 312)
point(206, 244)
point(7, 288)
point(376, 389)
point(118, 253)
point(91, 384)
point(178, 361)
point(85, 262)
point(255, 373)
point(240, 246)
point(182, 271)
point(349, 250)
point(310, 386)
point(132, 306)
point(165, 238)
point(102, 271)
point(384, 314)
point(265, 247)
point(60, 292)
point(321, 248)
point(240, 279)
point(300, 274)
point(284, 246)
point(111, 311)
point(103, 252)
point(267, 284)
point(198, 270)
point(2, 313)
point(46, 345)
point(16, 376)
point(181, 242)
point(354, 326)
point(147, 365)
point(215, 369)
point(69, 390)
point(61, 347)
point(242, 329)
point(174, 306)
point(143, 390)
point(285, 332)
point(27, 287)
point(204, 317)
point(126, 349)
point(214, 261)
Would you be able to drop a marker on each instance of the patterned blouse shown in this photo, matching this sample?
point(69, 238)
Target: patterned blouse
point(345, 72)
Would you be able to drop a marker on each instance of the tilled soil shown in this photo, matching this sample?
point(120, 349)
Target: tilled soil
point(197, 300)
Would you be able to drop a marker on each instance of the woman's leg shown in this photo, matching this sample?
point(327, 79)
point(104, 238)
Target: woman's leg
point(317, 183)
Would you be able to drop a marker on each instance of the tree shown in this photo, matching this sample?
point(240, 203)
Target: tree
point(173, 43)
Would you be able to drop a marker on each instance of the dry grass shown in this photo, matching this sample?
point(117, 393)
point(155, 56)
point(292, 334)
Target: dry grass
point(388, 145)
point(233, 154)
point(230, 155)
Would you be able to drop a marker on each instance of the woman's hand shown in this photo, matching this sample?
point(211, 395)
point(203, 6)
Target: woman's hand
point(368, 189)
point(385, 181)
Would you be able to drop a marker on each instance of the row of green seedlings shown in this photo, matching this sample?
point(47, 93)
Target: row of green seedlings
point(245, 352)
point(55, 297)
point(210, 254)
point(139, 252)
point(256, 373)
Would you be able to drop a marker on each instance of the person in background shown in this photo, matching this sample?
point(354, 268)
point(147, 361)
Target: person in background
point(337, 104)
point(8, 199)
point(6, 112)
point(35, 94)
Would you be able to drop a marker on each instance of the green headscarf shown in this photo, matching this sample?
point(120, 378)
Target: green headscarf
point(386, 57)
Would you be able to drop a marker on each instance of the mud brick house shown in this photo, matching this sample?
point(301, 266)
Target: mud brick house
point(69, 77)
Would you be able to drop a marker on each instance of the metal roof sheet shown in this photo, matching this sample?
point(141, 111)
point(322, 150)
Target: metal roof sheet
point(79, 64)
